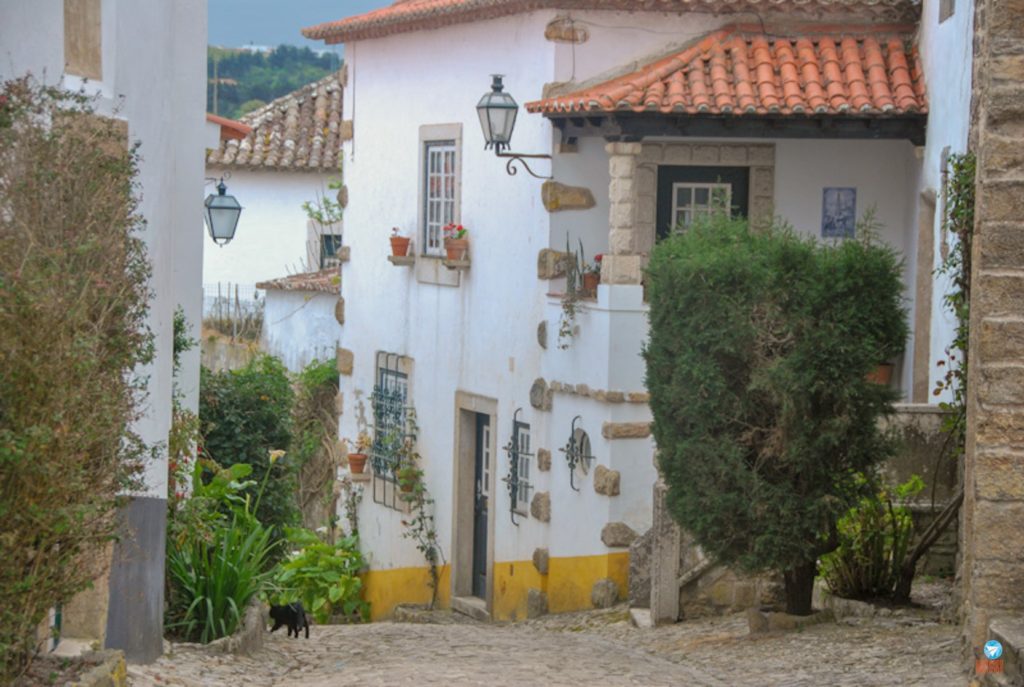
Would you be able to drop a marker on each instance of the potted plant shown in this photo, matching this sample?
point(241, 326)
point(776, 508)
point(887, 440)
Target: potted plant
point(409, 475)
point(357, 459)
point(399, 243)
point(456, 243)
point(881, 374)
point(592, 276)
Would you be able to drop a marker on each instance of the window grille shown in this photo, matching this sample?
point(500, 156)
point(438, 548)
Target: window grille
point(518, 479)
point(390, 404)
point(439, 176)
point(577, 452)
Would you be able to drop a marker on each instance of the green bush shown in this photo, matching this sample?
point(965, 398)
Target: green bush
point(244, 415)
point(324, 577)
point(212, 582)
point(874, 537)
point(759, 348)
point(73, 348)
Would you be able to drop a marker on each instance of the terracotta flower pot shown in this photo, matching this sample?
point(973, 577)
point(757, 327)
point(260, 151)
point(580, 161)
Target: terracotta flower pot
point(881, 374)
point(590, 282)
point(356, 463)
point(456, 248)
point(400, 245)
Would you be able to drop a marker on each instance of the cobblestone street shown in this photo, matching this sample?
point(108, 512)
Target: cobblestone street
point(908, 647)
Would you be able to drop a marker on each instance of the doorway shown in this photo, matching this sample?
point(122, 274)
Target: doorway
point(481, 500)
point(473, 511)
point(688, 193)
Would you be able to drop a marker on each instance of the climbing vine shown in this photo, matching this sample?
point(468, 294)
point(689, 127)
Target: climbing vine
point(958, 220)
point(420, 527)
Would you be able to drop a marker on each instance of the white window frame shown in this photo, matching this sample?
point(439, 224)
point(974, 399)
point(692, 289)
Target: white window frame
point(440, 172)
point(694, 210)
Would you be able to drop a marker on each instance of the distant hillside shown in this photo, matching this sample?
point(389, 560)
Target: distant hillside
point(246, 80)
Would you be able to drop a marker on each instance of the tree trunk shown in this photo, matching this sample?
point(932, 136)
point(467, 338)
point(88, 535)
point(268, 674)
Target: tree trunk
point(909, 565)
point(799, 585)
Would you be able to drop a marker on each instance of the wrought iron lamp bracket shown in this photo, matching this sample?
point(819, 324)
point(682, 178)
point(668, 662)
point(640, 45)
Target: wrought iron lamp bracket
point(521, 159)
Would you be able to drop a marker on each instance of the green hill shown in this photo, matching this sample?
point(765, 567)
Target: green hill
point(246, 80)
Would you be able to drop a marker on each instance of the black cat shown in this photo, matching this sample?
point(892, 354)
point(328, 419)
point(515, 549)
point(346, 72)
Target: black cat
point(293, 615)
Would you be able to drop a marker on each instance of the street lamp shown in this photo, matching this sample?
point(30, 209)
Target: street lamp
point(221, 214)
point(497, 111)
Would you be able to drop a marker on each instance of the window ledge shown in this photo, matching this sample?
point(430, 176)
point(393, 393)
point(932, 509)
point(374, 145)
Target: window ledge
point(460, 265)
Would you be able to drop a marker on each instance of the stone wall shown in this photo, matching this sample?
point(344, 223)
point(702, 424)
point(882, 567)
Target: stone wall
point(993, 513)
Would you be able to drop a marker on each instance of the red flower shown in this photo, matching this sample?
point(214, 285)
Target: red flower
point(598, 257)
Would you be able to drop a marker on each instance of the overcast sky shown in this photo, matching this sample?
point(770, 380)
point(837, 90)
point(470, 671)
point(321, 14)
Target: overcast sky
point(237, 23)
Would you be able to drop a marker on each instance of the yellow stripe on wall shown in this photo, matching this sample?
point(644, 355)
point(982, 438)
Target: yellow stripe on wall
point(567, 584)
point(385, 589)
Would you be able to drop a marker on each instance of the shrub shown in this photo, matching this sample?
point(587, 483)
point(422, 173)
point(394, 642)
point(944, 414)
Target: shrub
point(73, 308)
point(760, 343)
point(244, 415)
point(213, 582)
point(323, 576)
point(314, 449)
point(874, 537)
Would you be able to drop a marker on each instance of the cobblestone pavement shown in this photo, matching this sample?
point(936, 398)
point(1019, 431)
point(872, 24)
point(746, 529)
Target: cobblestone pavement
point(908, 647)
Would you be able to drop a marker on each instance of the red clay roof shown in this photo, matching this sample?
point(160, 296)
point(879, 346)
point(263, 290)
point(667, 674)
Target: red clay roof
point(229, 128)
point(865, 71)
point(413, 15)
point(325, 280)
point(300, 132)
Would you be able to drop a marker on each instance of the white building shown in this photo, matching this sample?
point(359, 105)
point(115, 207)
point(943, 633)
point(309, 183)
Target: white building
point(121, 52)
point(289, 157)
point(300, 317)
point(776, 105)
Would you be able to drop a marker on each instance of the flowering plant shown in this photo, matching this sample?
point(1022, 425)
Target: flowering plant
point(454, 231)
point(396, 232)
point(362, 444)
point(596, 267)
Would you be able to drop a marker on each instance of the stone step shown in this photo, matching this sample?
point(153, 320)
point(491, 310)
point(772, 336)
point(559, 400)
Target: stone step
point(1010, 633)
point(641, 617)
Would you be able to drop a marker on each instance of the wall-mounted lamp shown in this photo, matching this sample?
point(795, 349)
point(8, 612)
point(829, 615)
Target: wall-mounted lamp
point(221, 213)
point(497, 111)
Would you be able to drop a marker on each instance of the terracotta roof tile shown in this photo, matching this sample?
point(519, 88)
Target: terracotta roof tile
point(299, 132)
point(326, 280)
point(862, 71)
point(413, 15)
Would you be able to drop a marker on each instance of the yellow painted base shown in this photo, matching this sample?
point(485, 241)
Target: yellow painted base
point(385, 589)
point(567, 584)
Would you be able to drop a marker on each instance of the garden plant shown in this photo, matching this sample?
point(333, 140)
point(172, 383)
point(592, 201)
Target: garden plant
point(760, 345)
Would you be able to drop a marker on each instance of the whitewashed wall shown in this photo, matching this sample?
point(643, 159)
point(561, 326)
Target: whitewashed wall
point(947, 57)
point(480, 336)
point(271, 237)
point(299, 326)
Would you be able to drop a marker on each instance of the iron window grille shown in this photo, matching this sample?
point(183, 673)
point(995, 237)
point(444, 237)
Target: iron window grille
point(577, 452)
point(390, 415)
point(518, 479)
